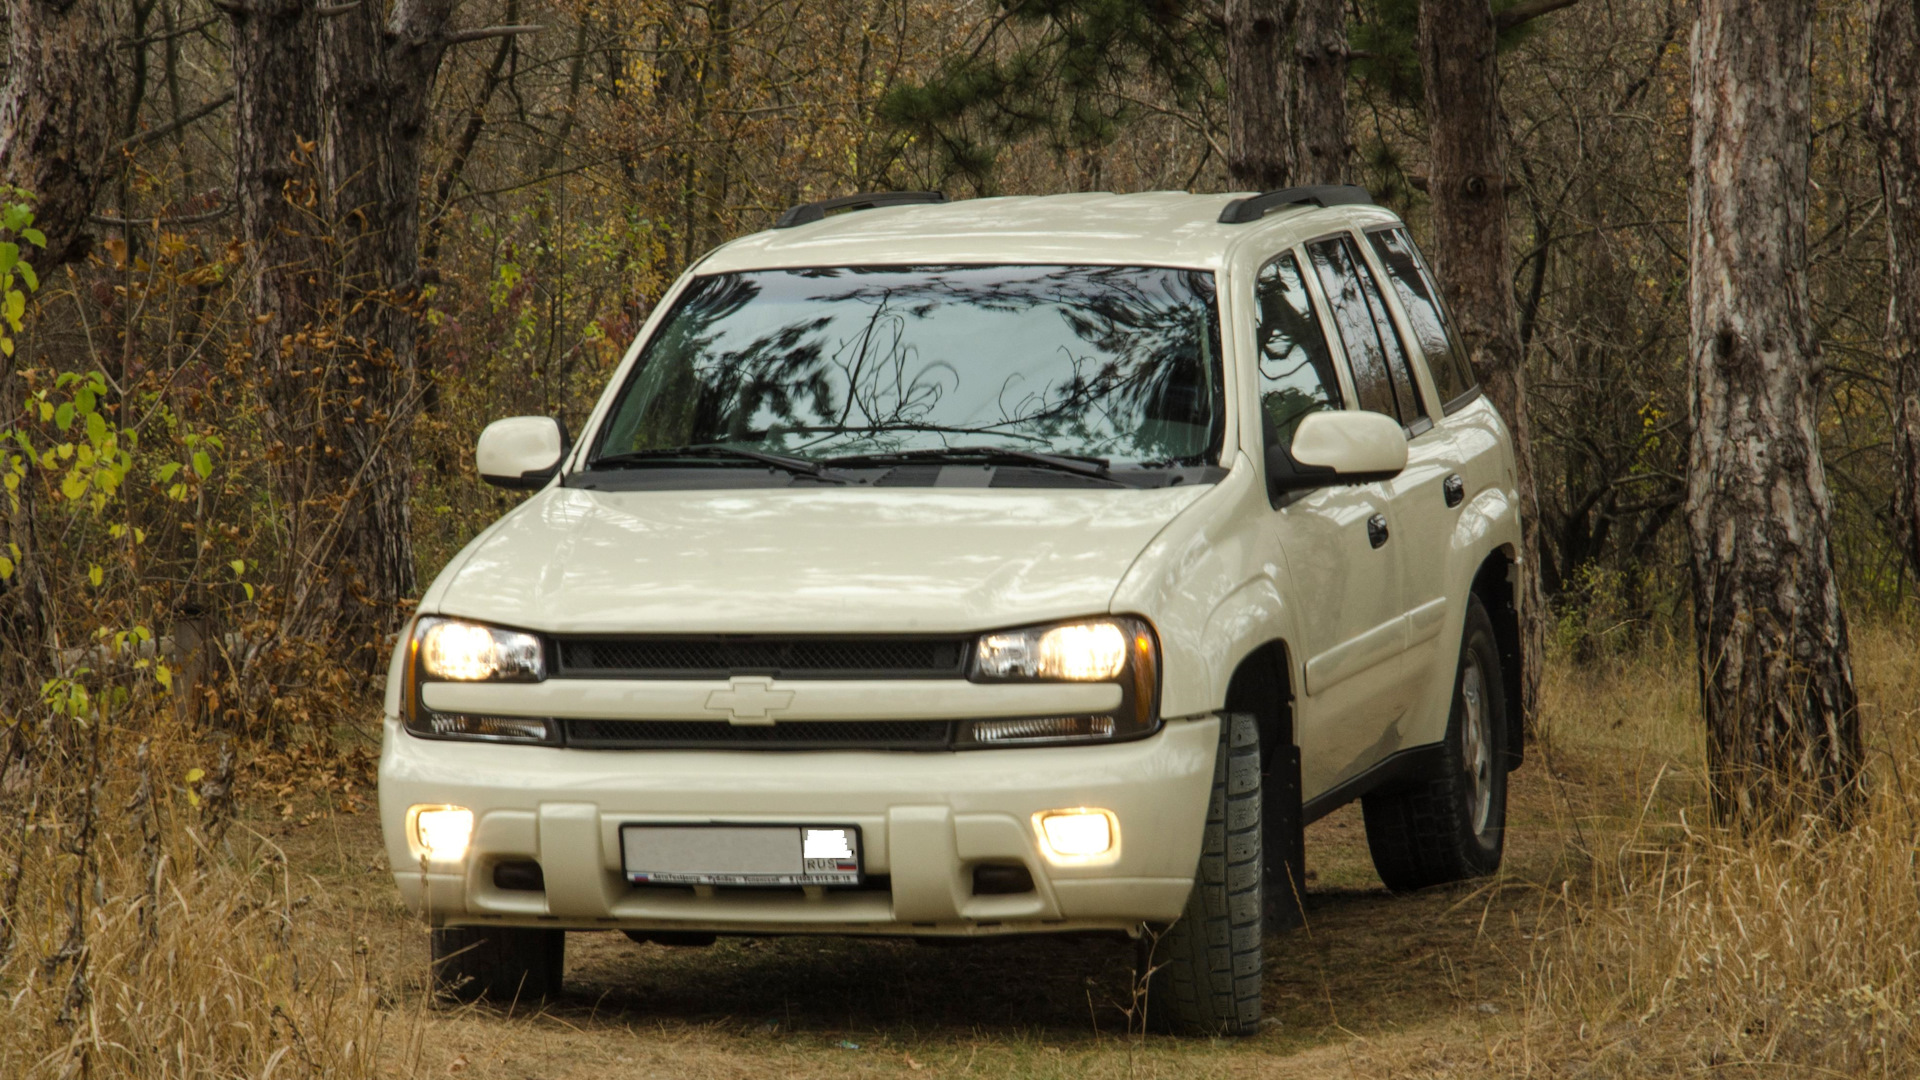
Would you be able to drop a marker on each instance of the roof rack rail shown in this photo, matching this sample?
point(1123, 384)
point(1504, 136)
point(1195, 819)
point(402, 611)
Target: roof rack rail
point(1251, 209)
point(808, 213)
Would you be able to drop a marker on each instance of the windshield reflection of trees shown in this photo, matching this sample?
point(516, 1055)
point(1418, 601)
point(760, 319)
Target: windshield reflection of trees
point(1142, 384)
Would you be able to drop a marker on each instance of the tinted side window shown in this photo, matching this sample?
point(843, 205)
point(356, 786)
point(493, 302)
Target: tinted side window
point(1420, 299)
point(1296, 367)
point(1381, 376)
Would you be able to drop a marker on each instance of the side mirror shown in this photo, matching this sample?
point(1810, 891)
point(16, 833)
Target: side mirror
point(521, 451)
point(1338, 447)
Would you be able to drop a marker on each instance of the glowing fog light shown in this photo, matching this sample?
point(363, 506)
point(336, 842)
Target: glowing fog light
point(1078, 834)
point(444, 831)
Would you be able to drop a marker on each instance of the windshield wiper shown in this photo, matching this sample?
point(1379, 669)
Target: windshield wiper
point(667, 455)
point(1079, 464)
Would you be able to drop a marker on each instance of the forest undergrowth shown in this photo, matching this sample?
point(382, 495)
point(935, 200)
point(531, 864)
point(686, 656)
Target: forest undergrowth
point(168, 922)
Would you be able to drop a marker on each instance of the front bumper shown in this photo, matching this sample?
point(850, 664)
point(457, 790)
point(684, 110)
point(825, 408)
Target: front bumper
point(926, 820)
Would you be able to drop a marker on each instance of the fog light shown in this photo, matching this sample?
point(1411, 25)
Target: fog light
point(1078, 835)
point(444, 831)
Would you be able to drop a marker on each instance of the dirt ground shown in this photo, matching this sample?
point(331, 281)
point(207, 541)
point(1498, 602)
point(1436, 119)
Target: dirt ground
point(1376, 985)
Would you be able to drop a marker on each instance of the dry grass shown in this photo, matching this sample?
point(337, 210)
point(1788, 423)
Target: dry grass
point(1626, 937)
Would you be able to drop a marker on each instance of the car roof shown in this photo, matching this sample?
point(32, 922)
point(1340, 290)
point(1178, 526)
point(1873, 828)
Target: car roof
point(1155, 228)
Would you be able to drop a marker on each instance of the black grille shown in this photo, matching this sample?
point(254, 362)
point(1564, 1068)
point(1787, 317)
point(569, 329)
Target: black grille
point(793, 735)
point(793, 658)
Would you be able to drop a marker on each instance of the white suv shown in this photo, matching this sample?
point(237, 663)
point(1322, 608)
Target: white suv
point(1005, 566)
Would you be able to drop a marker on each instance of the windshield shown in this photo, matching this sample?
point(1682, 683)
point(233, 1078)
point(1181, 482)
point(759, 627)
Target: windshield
point(1116, 363)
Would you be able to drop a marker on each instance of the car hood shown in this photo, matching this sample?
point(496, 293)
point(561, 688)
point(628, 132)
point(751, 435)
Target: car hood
point(810, 561)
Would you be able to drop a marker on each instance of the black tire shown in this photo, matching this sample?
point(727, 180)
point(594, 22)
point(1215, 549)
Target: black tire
point(501, 964)
point(1204, 970)
point(1452, 826)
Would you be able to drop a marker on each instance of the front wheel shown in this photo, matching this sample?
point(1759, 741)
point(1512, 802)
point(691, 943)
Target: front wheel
point(1452, 825)
point(501, 964)
point(1204, 970)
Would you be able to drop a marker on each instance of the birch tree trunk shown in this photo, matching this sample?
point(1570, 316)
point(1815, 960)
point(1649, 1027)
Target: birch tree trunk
point(1894, 119)
point(1467, 182)
point(57, 116)
point(1259, 140)
point(1783, 734)
point(1322, 151)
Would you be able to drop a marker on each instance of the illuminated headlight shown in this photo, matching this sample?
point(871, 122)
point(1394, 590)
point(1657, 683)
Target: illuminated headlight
point(461, 651)
point(1120, 650)
point(1075, 652)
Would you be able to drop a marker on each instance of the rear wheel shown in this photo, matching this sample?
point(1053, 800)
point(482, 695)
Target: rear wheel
point(1452, 825)
point(1204, 970)
point(501, 964)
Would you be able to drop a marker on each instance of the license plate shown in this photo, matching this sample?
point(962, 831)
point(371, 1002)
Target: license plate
point(760, 855)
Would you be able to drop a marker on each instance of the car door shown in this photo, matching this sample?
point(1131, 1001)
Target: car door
point(1345, 582)
point(1441, 472)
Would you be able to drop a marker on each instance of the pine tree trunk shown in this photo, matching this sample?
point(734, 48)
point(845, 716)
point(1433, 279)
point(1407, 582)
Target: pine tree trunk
point(1895, 122)
point(57, 116)
point(1467, 182)
point(275, 132)
point(376, 77)
point(1259, 140)
point(1783, 735)
point(1322, 151)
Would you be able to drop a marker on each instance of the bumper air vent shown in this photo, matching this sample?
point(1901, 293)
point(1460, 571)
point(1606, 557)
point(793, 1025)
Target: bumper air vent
point(793, 735)
point(787, 658)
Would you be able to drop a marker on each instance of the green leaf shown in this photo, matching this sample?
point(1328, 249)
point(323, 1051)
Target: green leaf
point(96, 429)
point(249, 589)
point(31, 276)
point(202, 464)
point(9, 256)
point(239, 567)
point(167, 471)
point(35, 237)
point(16, 217)
point(63, 416)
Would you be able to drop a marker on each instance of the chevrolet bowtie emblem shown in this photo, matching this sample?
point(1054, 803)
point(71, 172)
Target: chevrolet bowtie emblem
point(749, 701)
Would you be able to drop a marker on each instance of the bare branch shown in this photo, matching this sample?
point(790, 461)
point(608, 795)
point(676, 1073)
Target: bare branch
point(156, 222)
point(135, 142)
point(460, 37)
point(1528, 11)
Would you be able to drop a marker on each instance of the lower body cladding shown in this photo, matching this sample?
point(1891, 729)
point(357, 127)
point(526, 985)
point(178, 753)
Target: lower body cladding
point(931, 829)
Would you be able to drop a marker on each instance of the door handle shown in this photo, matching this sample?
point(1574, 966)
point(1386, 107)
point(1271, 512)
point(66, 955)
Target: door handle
point(1454, 489)
point(1377, 530)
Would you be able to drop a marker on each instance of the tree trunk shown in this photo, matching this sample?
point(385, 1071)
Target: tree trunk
point(1321, 147)
point(376, 78)
point(1895, 122)
point(1259, 141)
point(275, 128)
point(1783, 734)
point(1467, 182)
point(57, 116)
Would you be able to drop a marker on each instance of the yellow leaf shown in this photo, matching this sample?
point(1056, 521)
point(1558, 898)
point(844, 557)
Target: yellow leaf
point(95, 575)
point(196, 775)
point(163, 675)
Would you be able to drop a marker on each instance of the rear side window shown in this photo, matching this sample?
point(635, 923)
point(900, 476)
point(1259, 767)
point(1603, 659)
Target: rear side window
point(1381, 376)
point(1296, 367)
point(1420, 299)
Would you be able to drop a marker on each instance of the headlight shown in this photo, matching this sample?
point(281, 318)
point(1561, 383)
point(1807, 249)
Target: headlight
point(1116, 650)
point(461, 651)
point(455, 650)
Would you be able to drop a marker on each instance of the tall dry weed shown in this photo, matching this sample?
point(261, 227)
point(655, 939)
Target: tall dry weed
point(1681, 948)
point(163, 943)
